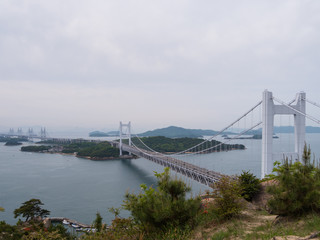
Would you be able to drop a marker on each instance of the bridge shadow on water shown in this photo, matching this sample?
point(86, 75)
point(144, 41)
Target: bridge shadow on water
point(142, 175)
point(147, 176)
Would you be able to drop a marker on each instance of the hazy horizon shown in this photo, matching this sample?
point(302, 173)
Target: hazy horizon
point(89, 65)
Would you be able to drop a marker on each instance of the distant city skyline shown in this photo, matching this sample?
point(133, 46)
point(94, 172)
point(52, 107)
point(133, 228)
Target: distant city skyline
point(88, 65)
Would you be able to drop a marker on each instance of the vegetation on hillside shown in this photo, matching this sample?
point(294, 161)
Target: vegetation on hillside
point(32, 228)
point(165, 211)
point(92, 149)
point(33, 148)
point(76, 147)
point(164, 144)
point(13, 142)
point(178, 132)
point(88, 149)
point(250, 185)
point(99, 150)
point(163, 207)
point(297, 187)
point(31, 210)
point(17, 139)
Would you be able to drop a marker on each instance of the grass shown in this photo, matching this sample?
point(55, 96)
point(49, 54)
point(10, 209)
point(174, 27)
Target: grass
point(221, 235)
point(259, 225)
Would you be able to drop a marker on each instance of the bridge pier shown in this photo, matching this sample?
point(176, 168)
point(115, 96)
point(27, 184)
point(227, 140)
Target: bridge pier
point(269, 109)
point(127, 134)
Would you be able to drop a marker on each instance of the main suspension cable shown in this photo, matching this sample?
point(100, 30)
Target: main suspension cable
point(313, 103)
point(221, 131)
point(292, 108)
point(221, 143)
point(209, 139)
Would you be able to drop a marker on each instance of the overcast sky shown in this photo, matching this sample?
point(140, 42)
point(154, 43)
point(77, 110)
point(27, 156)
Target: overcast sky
point(194, 64)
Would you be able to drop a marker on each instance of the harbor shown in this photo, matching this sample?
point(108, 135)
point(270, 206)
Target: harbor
point(70, 224)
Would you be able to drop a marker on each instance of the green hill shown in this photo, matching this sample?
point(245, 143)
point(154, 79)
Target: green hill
point(164, 144)
point(103, 134)
point(178, 132)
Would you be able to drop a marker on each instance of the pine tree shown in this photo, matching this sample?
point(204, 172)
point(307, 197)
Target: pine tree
point(297, 188)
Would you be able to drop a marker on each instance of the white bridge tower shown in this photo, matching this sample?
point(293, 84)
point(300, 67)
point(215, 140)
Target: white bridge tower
point(269, 109)
point(126, 134)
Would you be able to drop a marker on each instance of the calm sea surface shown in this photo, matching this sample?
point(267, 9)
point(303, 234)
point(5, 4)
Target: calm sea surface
point(78, 188)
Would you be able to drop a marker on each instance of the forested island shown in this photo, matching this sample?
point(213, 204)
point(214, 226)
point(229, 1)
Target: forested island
point(173, 145)
point(41, 148)
point(13, 142)
point(92, 150)
point(104, 150)
point(103, 134)
point(85, 149)
point(16, 139)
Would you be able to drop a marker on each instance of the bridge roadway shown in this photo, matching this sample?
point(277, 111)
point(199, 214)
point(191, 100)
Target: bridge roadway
point(197, 173)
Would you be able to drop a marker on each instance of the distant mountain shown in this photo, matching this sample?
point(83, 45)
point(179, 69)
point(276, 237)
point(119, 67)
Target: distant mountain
point(290, 129)
point(103, 134)
point(286, 129)
point(113, 133)
point(310, 129)
point(178, 132)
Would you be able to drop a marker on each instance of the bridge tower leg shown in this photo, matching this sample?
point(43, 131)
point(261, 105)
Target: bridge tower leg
point(269, 109)
point(127, 135)
point(43, 133)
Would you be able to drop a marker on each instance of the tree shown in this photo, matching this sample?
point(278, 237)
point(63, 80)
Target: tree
point(227, 197)
point(165, 206)
point(42, 235)
point(31, 210)
point(297, 188)
point(97, 224)
point(250, 185)
point(9, 232)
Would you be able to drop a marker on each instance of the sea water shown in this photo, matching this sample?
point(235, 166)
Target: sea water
point(78, 188)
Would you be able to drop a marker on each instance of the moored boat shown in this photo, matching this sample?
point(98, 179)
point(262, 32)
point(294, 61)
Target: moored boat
point(74, 225)
point(65, 222)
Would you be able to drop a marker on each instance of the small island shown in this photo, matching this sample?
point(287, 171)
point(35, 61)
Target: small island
point(255, 136)
point(33, 148)
point(173, 145)
point(84, 149)
point(103, 134)
point(15, 139)
point(103, 150)
point(12, 143)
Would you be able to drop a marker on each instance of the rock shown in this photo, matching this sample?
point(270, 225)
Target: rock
point(47, 223)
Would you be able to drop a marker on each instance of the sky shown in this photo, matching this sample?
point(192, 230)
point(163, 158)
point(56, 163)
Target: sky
point(76, 64)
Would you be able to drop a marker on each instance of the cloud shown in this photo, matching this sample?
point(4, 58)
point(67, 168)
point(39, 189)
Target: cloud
point(179, 59)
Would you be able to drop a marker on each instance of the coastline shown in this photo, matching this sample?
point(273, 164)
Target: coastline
point(88, 157)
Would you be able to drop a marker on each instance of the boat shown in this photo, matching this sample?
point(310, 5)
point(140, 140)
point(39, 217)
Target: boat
point(74, 225)
point(65, 222)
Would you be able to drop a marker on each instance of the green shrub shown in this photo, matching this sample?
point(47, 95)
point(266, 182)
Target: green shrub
point(9, 232)
point(164, 207)
point(297, 188)
point(97, 224)
point(120, 229)
point(31, 210)
point(227, 197)
point(250, 185)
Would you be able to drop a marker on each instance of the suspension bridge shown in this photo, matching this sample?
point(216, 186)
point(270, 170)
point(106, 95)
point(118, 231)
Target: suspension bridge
point(270, 106)
point(267, 108)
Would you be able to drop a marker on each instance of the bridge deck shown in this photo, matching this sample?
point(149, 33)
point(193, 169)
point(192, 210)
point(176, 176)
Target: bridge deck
point(197, 173)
